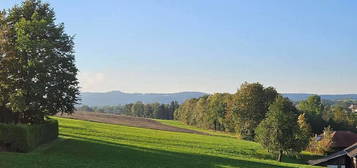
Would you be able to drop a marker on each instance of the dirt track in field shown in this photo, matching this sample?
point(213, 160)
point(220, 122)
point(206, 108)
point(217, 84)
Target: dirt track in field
point(127, 121)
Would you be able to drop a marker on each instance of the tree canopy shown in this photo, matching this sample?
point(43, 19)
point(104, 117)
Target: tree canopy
point(281, 131)
point(37, 69)
point(314, 109)
point(250, 104)
point(138, 109)
point(240, 112)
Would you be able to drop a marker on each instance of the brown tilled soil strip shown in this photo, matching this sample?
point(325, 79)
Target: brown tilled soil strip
point(127, 121)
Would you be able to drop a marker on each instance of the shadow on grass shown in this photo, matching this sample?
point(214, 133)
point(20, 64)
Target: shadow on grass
point(189, 144)
point(87, 152)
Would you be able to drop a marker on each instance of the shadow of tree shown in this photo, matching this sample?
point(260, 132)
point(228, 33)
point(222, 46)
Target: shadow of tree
point(189, 144)
point(88, 152)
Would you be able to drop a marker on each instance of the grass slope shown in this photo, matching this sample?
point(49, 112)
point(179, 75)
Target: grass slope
point(91, 144)
point(182, 125)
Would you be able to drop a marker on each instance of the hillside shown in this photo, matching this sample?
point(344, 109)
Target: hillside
point(303, 96)
point(117, 97)
point(92, 145)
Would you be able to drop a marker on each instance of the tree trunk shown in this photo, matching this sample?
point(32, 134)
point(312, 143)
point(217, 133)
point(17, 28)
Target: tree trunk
point(215, 125)
point(280, 155)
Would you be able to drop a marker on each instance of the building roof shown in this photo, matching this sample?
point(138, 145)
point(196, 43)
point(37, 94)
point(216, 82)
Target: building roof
point(350, 151)
point(343, 139)
point(327, 158)
point(352, 106)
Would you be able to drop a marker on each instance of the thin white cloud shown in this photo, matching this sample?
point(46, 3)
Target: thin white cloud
point(92, 81)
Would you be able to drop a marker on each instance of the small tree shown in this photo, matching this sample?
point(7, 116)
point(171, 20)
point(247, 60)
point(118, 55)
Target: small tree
point(323, 144)
point(314, 110)
point(279, 132)
point(304, 132)
point(37, 70)
point(172, 108)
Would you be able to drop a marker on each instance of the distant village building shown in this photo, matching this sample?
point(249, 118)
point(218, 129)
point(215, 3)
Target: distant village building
point(353, 108)
point(343, 159)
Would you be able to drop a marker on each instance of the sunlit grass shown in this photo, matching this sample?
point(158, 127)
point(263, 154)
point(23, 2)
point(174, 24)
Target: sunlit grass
point(182, 125)
point(91, 144)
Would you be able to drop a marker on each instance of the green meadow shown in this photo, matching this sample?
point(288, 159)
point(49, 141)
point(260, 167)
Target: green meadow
point(99, 145)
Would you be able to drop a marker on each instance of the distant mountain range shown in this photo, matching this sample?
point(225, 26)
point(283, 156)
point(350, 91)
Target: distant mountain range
point(302, 96)
point(117, 97)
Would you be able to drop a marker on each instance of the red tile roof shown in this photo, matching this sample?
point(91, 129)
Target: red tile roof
point(343, 139)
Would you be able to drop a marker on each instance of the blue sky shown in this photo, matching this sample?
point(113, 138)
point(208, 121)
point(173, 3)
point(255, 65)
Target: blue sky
point(212, 46)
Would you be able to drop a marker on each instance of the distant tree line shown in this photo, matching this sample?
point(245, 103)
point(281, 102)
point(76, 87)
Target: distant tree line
point(261, 114)
point(138, 109)
point(320, 115)
point(240, 112)
point(243, 111)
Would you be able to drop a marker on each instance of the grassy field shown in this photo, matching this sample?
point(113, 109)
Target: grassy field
point(182, 125)
point(98, 145)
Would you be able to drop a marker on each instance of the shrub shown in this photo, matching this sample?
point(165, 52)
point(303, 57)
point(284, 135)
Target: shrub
point(24, 137)
point(321, 144)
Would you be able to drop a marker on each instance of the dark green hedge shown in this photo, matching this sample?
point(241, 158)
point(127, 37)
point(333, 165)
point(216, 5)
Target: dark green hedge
point(24, 138)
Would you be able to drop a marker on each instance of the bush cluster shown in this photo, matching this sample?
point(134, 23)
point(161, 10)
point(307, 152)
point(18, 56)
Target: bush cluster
point(25, 137)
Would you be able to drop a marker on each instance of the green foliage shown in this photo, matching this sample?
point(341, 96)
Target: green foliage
point(148, 111)
point(339, 114)
point(312, 105)
point(251, 103)
point(281, 132)
point(24, 138)
point(172, 107)
point(138, 109)
point(319, 115)
point(37, 70)
point(93, 145)
point(314, 109)
point(321, 145)
point(217, 108)
point(304, 133)
point(240, 112)
point(342, 119)
point(207, 112)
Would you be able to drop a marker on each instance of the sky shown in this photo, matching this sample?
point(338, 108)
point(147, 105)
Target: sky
point(165, 46)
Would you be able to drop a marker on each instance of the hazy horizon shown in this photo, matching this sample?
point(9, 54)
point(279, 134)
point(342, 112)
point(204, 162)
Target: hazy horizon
point(160, 46)
point(207, 92)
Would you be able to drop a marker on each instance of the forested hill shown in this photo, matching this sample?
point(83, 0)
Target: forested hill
point(303, 96)
point(117, 97)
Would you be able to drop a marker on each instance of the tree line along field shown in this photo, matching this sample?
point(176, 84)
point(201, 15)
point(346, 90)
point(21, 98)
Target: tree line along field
point(92, 144)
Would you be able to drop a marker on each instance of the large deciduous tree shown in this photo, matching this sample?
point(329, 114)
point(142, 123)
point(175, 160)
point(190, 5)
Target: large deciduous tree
point(216, 110)
point(250, 105)
point(281, 131)
point(37, 70)
point(138, 109)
